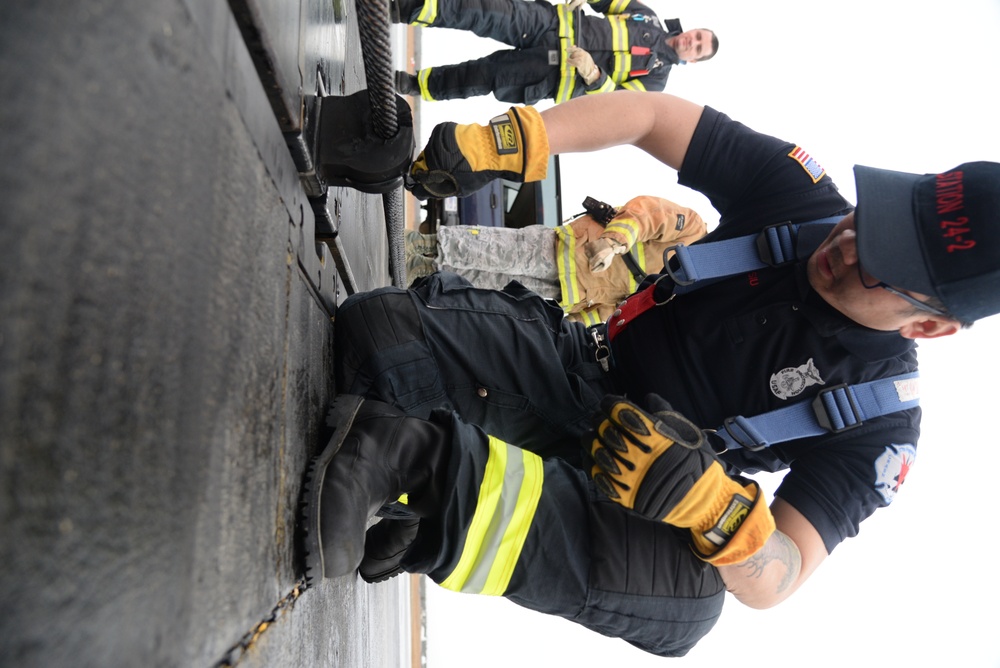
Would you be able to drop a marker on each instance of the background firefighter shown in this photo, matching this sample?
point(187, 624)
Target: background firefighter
point(560, 52)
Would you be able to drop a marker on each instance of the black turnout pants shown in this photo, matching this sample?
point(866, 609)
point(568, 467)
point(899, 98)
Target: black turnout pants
point(520, 386)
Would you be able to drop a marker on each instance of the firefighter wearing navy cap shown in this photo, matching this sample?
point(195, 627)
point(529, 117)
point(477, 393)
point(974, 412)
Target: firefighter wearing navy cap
point(560, 51)
point(477, 401)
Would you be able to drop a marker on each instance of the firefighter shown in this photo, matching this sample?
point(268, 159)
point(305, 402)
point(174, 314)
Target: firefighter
point(560, 52)
point(476, 401)
point(587, 265)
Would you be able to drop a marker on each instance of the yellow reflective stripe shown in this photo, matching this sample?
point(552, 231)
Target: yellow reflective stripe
point(422, 77)
point(567, 79)
point(619, 33)
point(635, 84)
point(428, 13)
point(623, 65)
point(567, 37)
point(489, 496)
point(627, 227)
point(618, 6)
point(639, 255)
point(639, 251)
point(606, 87)
point(566, 28)
point(505, 509)
point(620, 46)
point(509, 550)
point(566, 265)
point(619, 68)
point(591, 316)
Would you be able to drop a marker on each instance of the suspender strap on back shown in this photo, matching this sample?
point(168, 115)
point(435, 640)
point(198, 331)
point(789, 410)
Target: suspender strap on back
point(773, 246)
point(835, 409)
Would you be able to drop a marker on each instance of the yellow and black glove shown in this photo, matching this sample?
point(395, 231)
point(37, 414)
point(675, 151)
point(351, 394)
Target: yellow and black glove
point(460, 159)
point(659, 465)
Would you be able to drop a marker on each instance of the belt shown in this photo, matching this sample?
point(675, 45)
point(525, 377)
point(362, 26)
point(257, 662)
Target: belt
point(635, 305)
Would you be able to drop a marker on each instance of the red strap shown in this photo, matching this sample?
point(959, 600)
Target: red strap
point(630, 309)
point(640, 50)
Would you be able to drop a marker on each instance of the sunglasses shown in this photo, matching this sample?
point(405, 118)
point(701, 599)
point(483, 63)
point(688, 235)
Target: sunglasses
point(902, 295)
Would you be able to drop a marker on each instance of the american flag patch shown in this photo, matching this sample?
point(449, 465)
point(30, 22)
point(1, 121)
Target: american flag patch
point(812, 167)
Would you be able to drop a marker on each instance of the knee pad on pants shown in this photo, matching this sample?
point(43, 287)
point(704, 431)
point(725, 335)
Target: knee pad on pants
point(369, 324)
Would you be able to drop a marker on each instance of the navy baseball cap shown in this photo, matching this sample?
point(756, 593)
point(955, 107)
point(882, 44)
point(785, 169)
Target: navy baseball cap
point(936, 234)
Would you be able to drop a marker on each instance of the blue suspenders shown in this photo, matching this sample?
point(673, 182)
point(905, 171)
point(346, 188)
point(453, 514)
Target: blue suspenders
point(836, 408)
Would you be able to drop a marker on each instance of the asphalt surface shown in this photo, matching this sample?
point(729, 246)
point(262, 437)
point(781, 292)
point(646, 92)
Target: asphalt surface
point(166, 328)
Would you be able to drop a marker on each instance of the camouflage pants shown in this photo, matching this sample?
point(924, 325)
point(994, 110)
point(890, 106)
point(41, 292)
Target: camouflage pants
point(492, 257)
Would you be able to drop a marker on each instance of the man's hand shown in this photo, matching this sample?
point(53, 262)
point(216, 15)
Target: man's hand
point(584, 64)
point(460, 159)
point(575, 4)
point(659, 465)
point(601, 252)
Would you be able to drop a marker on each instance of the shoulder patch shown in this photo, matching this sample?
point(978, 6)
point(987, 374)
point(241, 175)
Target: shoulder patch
point(807, 163)
point(891, 468)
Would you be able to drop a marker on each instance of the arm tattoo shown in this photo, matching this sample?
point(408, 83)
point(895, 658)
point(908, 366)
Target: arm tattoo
point(779, 548)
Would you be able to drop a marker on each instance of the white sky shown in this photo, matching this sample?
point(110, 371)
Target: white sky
point(908, 85)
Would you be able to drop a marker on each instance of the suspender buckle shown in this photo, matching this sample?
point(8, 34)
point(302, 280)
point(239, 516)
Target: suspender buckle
point(681, 256)
point(836, 409)
point(776, 244)
point(741, 431)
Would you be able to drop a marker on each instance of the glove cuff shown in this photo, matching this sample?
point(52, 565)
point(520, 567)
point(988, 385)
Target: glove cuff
point(514, 143)
point(536, 142)
point(743, 529)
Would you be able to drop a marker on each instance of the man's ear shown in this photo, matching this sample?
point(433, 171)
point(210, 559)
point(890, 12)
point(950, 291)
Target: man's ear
point(931, 328)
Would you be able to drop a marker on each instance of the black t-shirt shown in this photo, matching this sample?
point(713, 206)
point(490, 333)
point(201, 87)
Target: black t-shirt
point(756, 342)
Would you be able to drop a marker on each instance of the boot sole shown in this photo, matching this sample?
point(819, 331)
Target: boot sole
point(341, 416)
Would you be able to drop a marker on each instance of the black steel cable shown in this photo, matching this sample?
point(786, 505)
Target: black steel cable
point(376, 51)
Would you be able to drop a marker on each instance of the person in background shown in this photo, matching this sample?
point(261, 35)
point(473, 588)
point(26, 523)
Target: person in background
point(587, 265)
point(560, 51)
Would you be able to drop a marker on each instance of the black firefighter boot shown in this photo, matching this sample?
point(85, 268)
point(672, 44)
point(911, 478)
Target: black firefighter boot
point(376, 455)
point(385, 545)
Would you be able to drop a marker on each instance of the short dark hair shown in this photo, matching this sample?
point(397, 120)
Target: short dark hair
point(715, 45)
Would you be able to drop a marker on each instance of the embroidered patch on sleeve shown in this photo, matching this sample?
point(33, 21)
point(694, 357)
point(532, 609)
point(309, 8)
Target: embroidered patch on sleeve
point(891, 469)
point(813, 168)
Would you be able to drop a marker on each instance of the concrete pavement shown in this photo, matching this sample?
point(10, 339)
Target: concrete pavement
point(166, 323)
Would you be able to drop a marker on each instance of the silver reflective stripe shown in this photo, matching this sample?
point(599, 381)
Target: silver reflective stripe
point(505, 509)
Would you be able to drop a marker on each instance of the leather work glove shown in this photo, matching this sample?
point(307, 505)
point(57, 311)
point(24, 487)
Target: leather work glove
point(575, 4)
point(584, 64)
point(601, 252)
point(659, 465)
point(460, 159)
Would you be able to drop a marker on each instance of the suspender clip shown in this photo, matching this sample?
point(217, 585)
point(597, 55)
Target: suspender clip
point(776, 244)
point(741, 431)
point(680, 256)
point(602, 353)
point(836, 409)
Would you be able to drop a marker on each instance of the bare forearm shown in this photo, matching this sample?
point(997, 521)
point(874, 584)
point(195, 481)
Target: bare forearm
point(769, 576)
point(594, 122)
point(661, 125)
